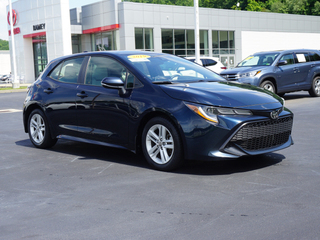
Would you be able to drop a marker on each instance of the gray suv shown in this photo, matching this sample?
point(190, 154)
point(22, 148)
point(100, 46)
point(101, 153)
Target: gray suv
point(280, 71)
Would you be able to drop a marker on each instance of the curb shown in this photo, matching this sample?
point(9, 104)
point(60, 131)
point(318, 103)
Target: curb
point(13, 90)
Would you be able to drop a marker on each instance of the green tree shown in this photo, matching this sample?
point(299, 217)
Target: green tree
point(255, 6)
point(316, 9)
point(4, 45)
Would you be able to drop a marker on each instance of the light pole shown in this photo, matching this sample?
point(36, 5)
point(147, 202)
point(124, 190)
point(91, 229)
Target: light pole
point(15, 83)
point(196, 31)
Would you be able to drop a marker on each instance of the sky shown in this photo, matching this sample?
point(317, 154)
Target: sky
point(3, 13)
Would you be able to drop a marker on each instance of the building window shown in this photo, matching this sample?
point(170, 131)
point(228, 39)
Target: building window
point(105, 41)
point(144, 39)
point(181, 42)
point(223, 43)
point(39, 54)
point(76, 44)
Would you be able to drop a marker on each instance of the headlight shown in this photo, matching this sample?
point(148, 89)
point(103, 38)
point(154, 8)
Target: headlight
point(211, 113)
point(249, 74)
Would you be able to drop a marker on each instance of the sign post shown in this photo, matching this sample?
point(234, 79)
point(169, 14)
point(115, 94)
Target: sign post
point(196, 31)
point(15, 81)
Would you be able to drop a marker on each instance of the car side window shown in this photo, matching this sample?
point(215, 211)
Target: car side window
point(314, 56)
point(289, 58)
point(210, 62)
point(67, 71)
point(102, 67)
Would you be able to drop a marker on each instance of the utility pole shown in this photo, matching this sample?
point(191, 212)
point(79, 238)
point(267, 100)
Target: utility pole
point(196, 31)
point(15, 82)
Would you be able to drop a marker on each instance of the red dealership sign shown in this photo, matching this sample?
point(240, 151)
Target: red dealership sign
point(14, 19)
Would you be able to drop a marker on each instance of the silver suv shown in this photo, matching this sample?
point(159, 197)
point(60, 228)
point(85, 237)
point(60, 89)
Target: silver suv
point(280, 71)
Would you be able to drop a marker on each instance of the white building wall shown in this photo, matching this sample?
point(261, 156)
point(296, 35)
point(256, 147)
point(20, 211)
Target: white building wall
point(5, 62)
point(56, 17)
point(255, 41)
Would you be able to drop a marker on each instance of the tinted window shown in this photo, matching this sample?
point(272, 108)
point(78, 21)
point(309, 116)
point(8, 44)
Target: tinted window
point(67, 71)
point(314, 57)
point(210, 62)
point(55, 73)
point(102, 67)
point(289, 58)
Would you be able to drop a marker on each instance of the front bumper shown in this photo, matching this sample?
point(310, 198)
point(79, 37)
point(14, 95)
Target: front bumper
point(248, 138)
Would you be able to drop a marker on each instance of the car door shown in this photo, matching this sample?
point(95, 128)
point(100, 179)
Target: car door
point(304, 66)
point(103, 113)
point(59, 95)
point(287, 74)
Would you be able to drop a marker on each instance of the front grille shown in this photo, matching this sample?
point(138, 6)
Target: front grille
point(264, 134)
point(230, 77)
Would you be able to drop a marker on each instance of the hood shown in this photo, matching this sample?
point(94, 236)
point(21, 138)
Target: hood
point(224, 94)
point(237, 70)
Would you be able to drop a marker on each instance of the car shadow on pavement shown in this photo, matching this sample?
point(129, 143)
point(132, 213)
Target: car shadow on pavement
point(296, 95)
point(230, 166)
point(85, 151)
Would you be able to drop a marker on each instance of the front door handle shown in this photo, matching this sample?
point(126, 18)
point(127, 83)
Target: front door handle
point(82, 94)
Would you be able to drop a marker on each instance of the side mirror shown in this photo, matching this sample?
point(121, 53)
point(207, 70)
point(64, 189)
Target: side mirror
point(113, 82)
point(282, 62)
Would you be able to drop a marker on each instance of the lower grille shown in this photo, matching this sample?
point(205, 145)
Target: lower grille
point(263, 135)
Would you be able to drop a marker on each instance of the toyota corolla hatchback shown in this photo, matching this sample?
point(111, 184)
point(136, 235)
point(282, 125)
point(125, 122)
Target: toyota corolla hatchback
point(166, 106)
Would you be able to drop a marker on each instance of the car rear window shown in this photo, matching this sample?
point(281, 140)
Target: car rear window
point(314, 56)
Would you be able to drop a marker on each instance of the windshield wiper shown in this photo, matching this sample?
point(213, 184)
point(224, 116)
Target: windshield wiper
point(162, 82)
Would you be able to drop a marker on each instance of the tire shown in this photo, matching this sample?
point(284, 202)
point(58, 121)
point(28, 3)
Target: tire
point(39, 131)
point(268, 85)
point(161, 144)
point(315, 88)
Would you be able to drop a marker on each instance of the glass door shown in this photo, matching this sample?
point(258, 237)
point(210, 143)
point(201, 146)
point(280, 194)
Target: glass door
point(39, 54)
point(227, 61)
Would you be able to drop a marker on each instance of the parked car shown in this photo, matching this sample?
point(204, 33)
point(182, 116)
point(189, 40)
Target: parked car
point(280, 71)
point(166, 106)
point(211, 63)
point(5, 78)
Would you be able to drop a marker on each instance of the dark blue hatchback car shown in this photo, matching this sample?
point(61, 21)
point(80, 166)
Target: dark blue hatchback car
point(166, 106)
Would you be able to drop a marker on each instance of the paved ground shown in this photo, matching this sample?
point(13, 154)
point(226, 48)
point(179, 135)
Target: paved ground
point(78, 191)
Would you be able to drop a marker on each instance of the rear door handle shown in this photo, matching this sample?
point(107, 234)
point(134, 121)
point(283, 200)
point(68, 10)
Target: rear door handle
point(48, 90)
point(82, 94)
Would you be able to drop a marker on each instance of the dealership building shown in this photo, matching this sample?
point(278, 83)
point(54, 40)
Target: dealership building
point(44, 30)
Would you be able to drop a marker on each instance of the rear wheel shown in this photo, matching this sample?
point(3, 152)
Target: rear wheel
point(39, 132)
point(161, 144)
point(268, 85)
point(315, 88)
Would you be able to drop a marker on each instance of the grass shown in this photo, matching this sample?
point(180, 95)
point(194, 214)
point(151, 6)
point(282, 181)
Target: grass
point(10, 88)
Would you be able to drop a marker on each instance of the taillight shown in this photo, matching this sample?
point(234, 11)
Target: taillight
point(224, 68)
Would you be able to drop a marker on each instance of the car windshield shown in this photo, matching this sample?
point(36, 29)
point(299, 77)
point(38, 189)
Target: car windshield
point(168, 69)
point(265, 59)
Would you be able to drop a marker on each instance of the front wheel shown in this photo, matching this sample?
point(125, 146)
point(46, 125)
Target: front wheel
point(268, 85)
point(315, 88)
point(161, 144)
point(38, 129)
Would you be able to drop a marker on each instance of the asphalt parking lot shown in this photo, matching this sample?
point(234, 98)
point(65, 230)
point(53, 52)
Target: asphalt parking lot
point(78, 191)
